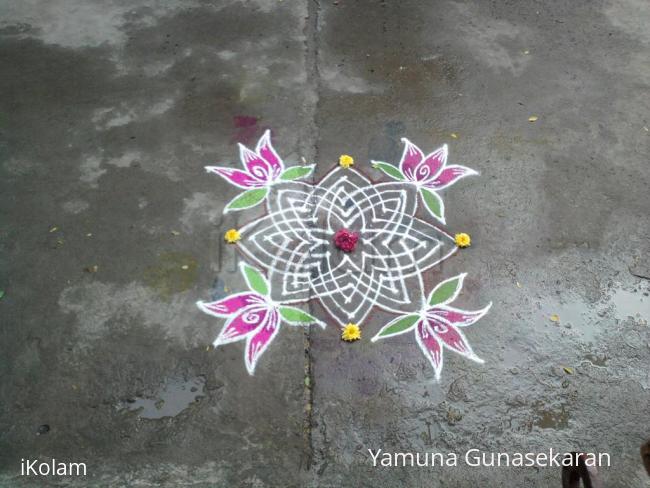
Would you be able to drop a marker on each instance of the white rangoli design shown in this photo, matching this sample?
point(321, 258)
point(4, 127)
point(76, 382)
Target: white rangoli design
point(347, 242)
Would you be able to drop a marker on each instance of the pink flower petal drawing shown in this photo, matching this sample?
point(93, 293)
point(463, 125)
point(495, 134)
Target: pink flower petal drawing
point(253, 316)
point(439, 325)
point(230, 305)
point(237, 177)
point(266, 152)
point(457, 317)
point(450, 175)
point(261, 167)
point(453, 338)
point(431, 170)
point(241, 325)
point(256, 165)
point(430, 166)
point(430, 346)
point(411, 157)
point(260, 340)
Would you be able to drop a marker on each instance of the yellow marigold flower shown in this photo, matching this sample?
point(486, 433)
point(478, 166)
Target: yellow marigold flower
point(463, 240)
point(232, 236)
point(346, 161)
point(351, 332)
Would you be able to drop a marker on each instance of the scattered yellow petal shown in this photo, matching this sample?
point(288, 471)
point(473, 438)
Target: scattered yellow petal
point(346, 161)
point(232, 236)
point(463, 240)
point(92, 269)
point(568, 370)
point(90, 234)
point(555, 318)
point(351, 332)
point(518, 285)
point(454, 135)
point(185, 266)
point(226, 289)
point(532, 118)
point(526, 51)
point(175, 233)
point(54, 229)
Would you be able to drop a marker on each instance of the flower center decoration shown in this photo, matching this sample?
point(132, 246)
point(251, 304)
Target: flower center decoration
point(346, 240)
point(291, 248)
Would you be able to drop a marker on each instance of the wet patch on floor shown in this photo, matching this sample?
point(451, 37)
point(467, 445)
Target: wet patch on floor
point(173, 396)
point(548, 418)
point(634, 302)
point(589, 320)
point(173, 273)
point(107, 308)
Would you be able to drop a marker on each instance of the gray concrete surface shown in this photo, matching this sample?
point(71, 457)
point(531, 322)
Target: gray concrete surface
point(110, 109)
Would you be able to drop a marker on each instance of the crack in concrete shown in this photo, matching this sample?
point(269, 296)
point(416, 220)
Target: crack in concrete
point(311, 152)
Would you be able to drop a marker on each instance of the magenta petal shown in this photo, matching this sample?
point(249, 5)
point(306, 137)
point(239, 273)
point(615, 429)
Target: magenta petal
point(241, 325)
point(457, 317)
point(453, 338)
point(255, 164)
point(229, 305)
point(449, 176)
point(430, 346)
point(266, 151)
point(237, 177)
point(411, 157)
point(260, 340)
point(430, 166)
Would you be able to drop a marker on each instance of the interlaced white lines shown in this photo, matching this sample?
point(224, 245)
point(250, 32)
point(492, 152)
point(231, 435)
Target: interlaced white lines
point(294, 243)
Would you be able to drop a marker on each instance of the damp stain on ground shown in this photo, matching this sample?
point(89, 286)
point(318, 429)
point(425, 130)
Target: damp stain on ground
point(173, 396)
point(547, 418)
point(173, 273)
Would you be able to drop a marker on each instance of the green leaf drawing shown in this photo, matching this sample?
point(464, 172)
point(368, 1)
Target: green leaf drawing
point(447, 291)
point(388, 169)
point(248, 199)
point(397, 326)
point(255, 279)
point(295, 316)
point(296, 172)
point(434, 204)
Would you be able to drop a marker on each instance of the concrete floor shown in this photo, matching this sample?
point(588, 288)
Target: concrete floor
point(110, 109)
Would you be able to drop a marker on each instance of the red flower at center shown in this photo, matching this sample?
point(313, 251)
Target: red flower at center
point(345, 240)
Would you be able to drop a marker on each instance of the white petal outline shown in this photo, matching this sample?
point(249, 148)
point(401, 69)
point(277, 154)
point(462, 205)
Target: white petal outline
point(293, 323)
point(311, 170)
point(440, 219)
point(378, 335)
point(242, 268)
point(227, 208)
point(378, 166)
point(459, 287)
